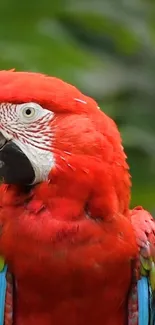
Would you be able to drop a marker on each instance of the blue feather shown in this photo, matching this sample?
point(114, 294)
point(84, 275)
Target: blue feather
point(146, 303)
point(3, 284)
point(143, 301)
point(152, 307)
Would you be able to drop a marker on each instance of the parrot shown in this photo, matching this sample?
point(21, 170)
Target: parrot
point(74, 250)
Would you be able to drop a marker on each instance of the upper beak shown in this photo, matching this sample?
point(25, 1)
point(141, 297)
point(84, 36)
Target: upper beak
point(3, 141)
point(15, 167)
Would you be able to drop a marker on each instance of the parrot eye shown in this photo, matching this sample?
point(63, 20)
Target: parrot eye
point(28, 112)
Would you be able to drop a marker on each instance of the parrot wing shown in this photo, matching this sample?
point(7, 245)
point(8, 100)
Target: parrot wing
point(142, 294)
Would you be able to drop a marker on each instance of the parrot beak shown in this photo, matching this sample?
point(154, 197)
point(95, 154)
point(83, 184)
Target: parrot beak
point(15, 167)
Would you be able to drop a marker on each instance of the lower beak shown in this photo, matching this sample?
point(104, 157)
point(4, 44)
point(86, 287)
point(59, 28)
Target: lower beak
point(15, 167)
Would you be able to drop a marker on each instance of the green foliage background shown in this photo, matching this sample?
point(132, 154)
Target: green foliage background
point(104, 47)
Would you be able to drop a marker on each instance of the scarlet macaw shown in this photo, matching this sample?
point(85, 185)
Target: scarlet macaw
point(74, 248)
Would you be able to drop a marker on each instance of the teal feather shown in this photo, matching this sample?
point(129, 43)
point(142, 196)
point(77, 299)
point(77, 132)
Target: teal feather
point(3, 286)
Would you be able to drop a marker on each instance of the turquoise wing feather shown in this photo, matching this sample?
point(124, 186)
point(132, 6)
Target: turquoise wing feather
point(3, 286)
point(142, 293)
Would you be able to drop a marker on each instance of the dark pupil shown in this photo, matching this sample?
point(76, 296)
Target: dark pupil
point(28, 111)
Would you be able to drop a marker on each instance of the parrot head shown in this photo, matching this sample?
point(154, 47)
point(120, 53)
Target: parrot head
point(49, 129)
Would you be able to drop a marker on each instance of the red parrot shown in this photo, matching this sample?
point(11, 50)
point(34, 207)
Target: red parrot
point(67, 235)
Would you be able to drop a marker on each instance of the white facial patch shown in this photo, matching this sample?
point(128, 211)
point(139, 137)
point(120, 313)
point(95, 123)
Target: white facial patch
point(28, 126)
point(41, 160)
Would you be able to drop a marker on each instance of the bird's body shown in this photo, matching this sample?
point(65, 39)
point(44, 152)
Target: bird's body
point(62, 275)
point(68, 238)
